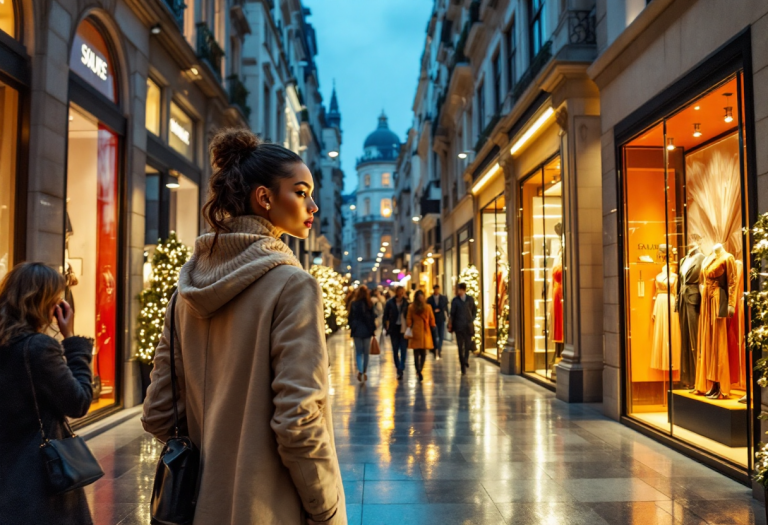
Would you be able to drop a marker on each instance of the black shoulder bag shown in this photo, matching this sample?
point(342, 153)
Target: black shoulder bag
point(174, 494)
point(69, 462)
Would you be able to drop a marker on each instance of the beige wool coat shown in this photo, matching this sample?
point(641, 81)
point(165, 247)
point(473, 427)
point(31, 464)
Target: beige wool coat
point(253, 376)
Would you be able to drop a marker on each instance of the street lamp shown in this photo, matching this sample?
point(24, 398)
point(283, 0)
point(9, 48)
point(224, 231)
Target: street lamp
point(333, 153)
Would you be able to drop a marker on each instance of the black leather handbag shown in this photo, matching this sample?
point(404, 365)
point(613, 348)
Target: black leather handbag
point(174, 494)
point(69, 462)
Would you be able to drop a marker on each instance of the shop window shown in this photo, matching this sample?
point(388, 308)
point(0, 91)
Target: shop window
point(9, 104)
point(8, 18)
point(386, 179)
point(535, 26)
point(495, 277)
point(685, 275)
point(91, 243)
point(181, 133)
point(184, 208)
point(153, 107)
point(386, 208)
point(450, 274)
point(91, 60)
point(542, 256)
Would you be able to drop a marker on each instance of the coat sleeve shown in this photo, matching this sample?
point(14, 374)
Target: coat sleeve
point(432, 322)
point(158, 405)
point(409, 317)
point(62, 373)
point(300, 366)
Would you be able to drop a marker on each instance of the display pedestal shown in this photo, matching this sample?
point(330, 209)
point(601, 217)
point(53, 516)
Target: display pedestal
point(724, 421)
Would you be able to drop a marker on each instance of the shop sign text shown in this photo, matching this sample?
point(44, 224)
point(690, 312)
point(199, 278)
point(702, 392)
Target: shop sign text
point(178, 130)
point(94, 62)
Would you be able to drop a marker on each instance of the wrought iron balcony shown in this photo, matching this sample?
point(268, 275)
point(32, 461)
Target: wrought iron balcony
point(208, 49)
point(177, 8)
point(238, 95)
point(537, 64)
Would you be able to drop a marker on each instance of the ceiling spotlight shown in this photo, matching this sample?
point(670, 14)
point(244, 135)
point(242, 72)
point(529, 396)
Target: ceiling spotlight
point(728, 108)
point(194, 71)
point(697, 130)
point(697, 108)
point(172, 184)
point(670, 143)
point(333, 154)
point(156, 29)
point(462, 155)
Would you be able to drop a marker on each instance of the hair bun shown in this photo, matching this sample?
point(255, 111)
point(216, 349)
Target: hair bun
point(231, 145)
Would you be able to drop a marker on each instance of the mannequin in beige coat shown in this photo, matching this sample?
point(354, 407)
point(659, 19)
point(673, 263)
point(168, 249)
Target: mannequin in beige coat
point(253, 372)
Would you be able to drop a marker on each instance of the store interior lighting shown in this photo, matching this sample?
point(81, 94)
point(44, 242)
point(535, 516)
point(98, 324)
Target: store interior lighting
point(530, 131)
point(697, 130)
point(485, 178)
point(728, 108)
point(670, 144)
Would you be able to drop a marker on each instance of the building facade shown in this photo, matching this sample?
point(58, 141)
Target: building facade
point(374, 224)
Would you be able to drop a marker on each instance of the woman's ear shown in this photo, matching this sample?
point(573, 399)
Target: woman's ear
point(261, 197)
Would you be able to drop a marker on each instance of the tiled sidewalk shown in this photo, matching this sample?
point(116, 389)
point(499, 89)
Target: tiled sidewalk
point(482, 449)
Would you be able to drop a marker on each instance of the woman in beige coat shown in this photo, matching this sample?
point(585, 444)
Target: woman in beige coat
point(251, 355)
point(421, 321)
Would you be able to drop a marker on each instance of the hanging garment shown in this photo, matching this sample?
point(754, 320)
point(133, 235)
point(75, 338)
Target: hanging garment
point(688, 309)
point(736, 332)
point(719, 271)
point(665, 327)
point(557, 301)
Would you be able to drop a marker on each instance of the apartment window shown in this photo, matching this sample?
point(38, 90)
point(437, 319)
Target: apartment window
point(386, 179)
point(367, 180)
point(480, 107)
point(536, 25)
point(279, 118)
point(497, 81)
point(267, 113)
point(511, 38)
point(386, 208)
point(367, 206)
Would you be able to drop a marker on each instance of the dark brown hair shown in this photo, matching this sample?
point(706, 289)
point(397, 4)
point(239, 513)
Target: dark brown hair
point(28, 293)
point(242, 163)
point(363, 295)
point(419, 302)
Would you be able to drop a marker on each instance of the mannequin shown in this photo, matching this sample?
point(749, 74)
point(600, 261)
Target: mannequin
point(557, 296)
point(688, 307)
point(665, 326)
point(719, 296)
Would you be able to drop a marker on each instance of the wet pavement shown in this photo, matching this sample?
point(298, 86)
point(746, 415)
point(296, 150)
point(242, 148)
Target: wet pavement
point(475, 450)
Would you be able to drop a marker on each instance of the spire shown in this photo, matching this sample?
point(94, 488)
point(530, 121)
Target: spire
point(383, 120)
point(333, 117)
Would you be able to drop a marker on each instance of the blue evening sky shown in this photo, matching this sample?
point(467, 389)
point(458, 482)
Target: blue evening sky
point(372, 49)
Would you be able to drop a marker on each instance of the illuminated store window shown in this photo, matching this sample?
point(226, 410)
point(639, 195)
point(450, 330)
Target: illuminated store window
point(9, 102)
point(686, 267)
point(181, 132)
point(495, 277)
point(184, 209)
point(386, 208)
point(91, 247)
point(449, 284)
point(464, 259)
point(8, 18)
point(542, 256)
point(153, 107)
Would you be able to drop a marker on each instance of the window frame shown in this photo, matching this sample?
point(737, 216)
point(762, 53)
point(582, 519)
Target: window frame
point(496, 67)
point(535, 26)
point(480, 96)
point(511, 40)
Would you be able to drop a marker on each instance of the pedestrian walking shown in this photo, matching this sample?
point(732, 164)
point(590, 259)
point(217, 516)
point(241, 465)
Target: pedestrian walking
point(38, 375)
point(461, 322)
point(439, 304)
point(249, 351)
point(395, 312)
point(421, 321)
point(362, 327)
point(377, 298)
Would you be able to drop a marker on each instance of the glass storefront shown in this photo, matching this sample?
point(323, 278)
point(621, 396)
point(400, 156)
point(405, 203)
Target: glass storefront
point(9, 106)
point(181, 133)
point(449, 283)
point(542, 256)
point(495, 277)
point(92, 243)
point(685, 273)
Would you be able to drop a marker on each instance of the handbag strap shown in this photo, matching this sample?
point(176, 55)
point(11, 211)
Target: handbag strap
point(174, 392)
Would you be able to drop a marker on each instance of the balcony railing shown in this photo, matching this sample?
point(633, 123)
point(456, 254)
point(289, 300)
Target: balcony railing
point(177, 8)
point(537, 64)
point(238, 95)
point(208, 49)
point(369, 218)
point(581, 27)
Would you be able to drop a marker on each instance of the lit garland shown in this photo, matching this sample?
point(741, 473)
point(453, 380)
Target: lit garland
point(471, 277)
point(170, 255)
point(503, 319)
point(332, 286)
point(757, 339)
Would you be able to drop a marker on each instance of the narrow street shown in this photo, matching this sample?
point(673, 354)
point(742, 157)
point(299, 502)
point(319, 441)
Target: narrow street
point(482, 449)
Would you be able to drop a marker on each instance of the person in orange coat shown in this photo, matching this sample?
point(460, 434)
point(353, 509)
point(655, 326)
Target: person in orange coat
point(421, 321)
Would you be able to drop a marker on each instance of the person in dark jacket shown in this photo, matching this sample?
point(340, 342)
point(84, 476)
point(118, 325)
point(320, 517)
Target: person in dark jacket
point(362, 326)
point(31, 297)
point(439, 304)
point(395, 312)
point(462, 322)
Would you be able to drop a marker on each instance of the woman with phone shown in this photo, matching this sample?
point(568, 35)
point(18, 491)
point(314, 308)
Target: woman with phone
point(36, 369)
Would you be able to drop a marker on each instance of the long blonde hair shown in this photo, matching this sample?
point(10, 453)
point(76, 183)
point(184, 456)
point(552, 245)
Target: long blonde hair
point(28, 294)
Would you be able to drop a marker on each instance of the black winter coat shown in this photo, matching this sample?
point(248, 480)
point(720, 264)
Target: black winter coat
point(392, 312)
point(463, 313)
point(62, 377)
point(362, 320)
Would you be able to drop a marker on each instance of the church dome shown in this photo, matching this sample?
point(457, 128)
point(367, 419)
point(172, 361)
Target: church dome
point(384, 140)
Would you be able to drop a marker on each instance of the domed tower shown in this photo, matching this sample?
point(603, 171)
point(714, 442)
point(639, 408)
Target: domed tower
point(374, 222)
